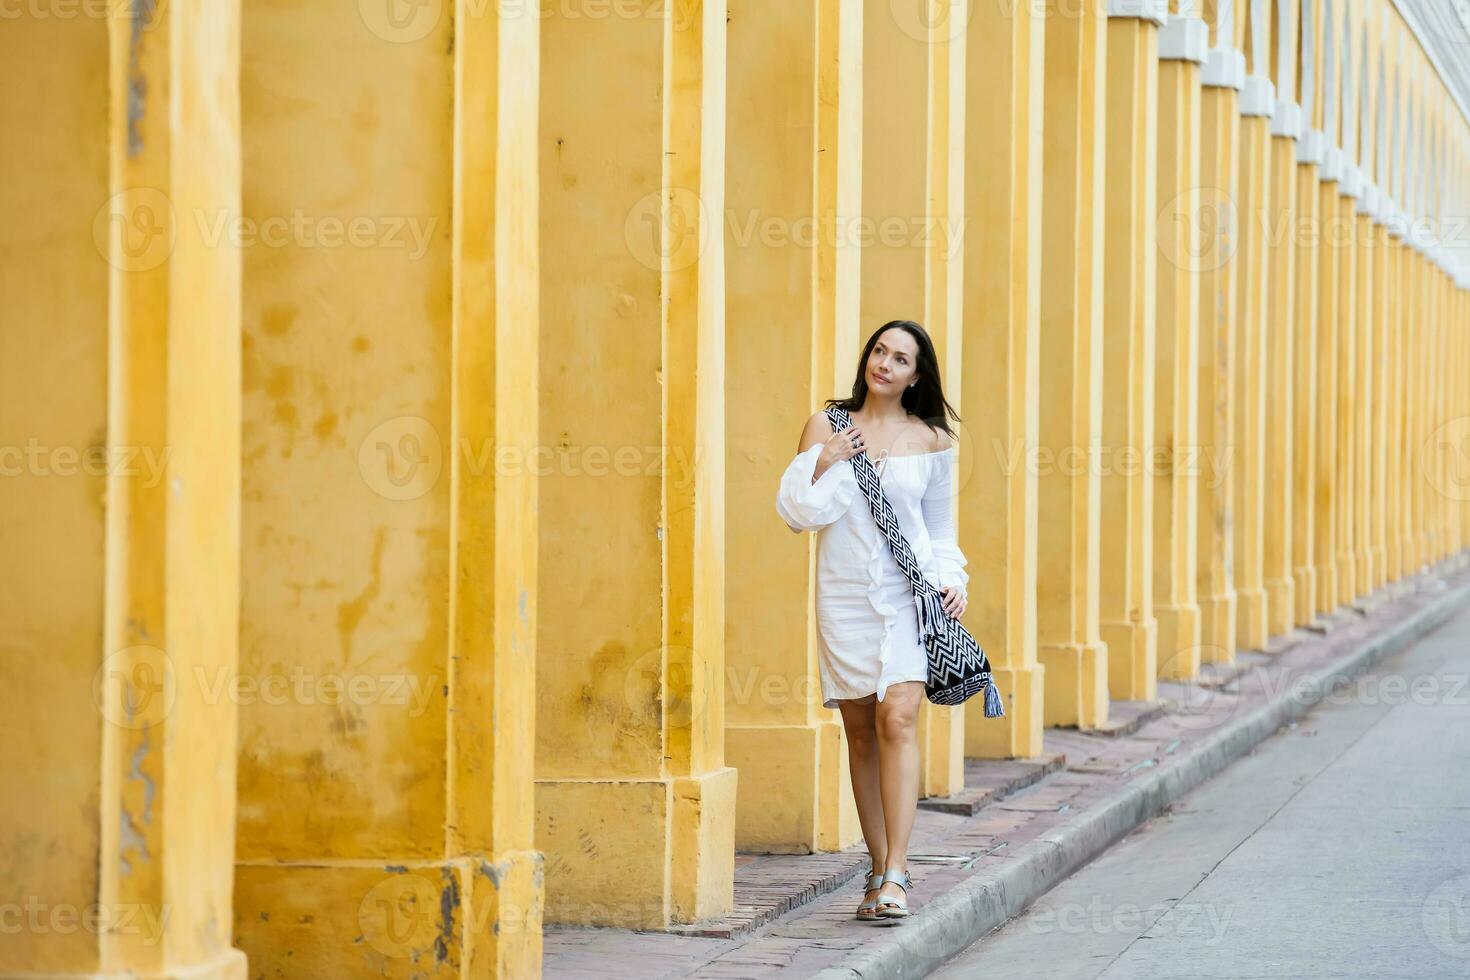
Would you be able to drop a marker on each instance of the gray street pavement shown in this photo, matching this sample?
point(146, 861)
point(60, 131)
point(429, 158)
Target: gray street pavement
point(1338, 848)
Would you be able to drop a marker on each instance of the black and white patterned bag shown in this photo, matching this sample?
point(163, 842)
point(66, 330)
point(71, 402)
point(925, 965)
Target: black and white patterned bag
point(957, 666)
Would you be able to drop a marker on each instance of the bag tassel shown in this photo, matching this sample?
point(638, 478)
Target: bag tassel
point(993, 706)
point(931, 614)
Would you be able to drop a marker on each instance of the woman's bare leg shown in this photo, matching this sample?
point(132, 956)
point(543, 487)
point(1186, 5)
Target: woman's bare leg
point(898, 765)
point(858, 719)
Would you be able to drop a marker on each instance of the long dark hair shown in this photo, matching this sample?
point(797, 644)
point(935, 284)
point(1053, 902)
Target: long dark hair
point(925, 399)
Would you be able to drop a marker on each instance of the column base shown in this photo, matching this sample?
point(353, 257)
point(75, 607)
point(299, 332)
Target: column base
point(1018, 734)
point(1077, 684)
point(1347, 578)
point(638, 853)
point(1364, 580)
point(1395, 560)
point(941, 731)
point(1217, 629)
point(465, 917)
point(1377, 568)
point(1327, 586)
point(837, 820)
point(1133, 660)
point(1179, 642)
point(1305, 580)
point(782, 811)
point(1250, 619)
point(1280, 606)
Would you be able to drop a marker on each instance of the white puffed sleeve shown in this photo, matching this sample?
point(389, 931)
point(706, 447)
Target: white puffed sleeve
point(938, 509)
point(808, 506)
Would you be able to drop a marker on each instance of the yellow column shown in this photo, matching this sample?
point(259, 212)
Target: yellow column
point(1365, 246)
point(1252, 261)
point(942, 729)
point(1392, 170)
point(902, 224)
point(635, 808)
point(1128, 628)
point(1435, 327)
point(1220, 218)
point(1281, 330)
point(1182, 45)
point(1303, 324)
point(1359, 296)
point(798, 799)
point(1070, 648)
point(1343, 236)
point(119, 477)
point(389, 603)
point(1329, 488)
point(1413, 338)
point(1378, 350)
point(1001, 283)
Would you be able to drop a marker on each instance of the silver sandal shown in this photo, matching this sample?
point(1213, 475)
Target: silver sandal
point(868, 910)
point(895, 908)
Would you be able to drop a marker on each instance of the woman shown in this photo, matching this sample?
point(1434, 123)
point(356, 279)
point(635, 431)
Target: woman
point(870, 659)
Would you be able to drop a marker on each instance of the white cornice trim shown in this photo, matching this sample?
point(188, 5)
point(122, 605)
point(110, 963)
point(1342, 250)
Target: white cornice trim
point(1331, 165)
point(1286, 119)
point(1184, 38)
point(1224, 68)
point(1257, 96)
point(1309, 147)
point(1151, 10)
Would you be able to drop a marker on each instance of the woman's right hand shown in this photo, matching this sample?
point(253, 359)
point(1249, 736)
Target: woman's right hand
point(839, 446)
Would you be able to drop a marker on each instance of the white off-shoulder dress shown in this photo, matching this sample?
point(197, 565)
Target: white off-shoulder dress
point(867, 616)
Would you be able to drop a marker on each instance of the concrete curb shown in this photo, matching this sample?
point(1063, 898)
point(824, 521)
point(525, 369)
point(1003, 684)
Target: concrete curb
point(952, 921)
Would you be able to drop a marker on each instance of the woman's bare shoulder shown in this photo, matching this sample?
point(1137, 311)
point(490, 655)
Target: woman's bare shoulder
point(939, 440)
point(817, 429)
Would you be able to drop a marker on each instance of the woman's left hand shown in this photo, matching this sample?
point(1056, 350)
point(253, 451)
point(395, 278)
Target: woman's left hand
point(954, 601)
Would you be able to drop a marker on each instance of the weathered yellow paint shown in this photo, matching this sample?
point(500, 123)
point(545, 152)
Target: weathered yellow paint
point(1219, 169)
point(56, 286)
point(777, 729)
point(1328, 505)
point(1280, 325)
point(1304, 329)
point(905, 136)
point(1306, 326)
point(1252, 261)
point(119, 364)
point(1069, 644)
point(635, 806)
point(343, 450)
point(1128, 628)
point(389, 524)
point(1176, 401)
point(941, 729)
point(1001, 282)
point(1279, 332)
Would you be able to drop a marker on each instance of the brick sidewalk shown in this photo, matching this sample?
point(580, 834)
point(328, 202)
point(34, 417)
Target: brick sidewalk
point(793, 914)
